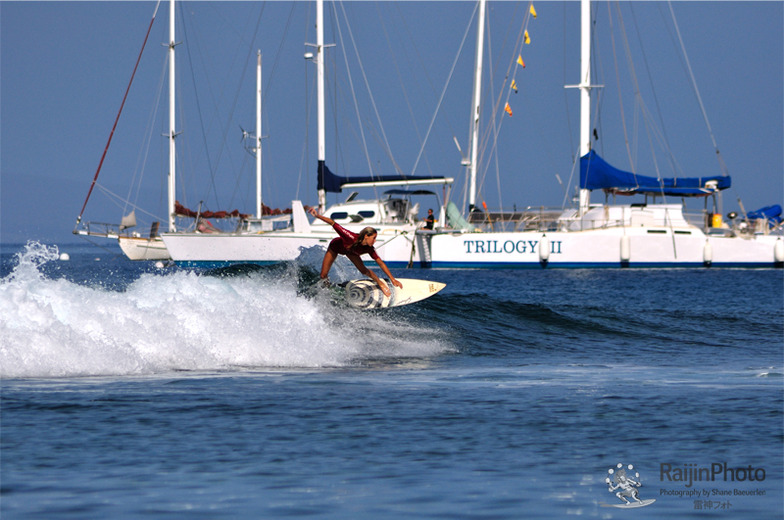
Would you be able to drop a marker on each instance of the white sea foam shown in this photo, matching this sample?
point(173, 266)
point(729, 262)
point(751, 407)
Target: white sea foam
point(184, 321)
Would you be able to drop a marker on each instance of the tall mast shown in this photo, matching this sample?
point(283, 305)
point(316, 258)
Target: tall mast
point(476, 107)
point(259, 205)
point(322, 194)
point(172, 135)
point(585, 93)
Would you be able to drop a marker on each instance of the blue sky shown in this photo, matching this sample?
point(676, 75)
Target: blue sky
point(65, 65)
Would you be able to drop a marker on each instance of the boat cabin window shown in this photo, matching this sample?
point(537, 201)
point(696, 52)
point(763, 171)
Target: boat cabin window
point(339, 215)
point(367, 214)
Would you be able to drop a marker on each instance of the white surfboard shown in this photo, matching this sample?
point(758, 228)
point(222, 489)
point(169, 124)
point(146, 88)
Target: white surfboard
point(365, 294)
point(632, 505)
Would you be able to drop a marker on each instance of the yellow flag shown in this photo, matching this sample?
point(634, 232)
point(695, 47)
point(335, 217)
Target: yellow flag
point(527, 38)
point(508, 109)
point(520, 60)
point(514, 86)
point(533, 11)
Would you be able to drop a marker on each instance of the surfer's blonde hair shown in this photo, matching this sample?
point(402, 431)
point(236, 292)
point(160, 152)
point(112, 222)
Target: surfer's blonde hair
point(368, 231)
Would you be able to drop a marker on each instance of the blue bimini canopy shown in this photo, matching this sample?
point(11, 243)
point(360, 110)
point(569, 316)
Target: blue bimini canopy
point(770, 213)
point(332, 183)
point(597, 174)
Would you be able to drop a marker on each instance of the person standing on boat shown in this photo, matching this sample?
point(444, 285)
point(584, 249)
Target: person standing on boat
point(430, 219)
point(354, 245)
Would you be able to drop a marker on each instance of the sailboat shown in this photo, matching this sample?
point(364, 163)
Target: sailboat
point(142, 246)
point(134, 245)
point(651, 235)
point(263, 241)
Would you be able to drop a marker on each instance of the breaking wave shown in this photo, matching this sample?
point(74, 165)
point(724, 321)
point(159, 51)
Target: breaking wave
point(181, 320)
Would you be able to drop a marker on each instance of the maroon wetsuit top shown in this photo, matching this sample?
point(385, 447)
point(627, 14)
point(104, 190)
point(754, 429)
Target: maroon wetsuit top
point(342, 243)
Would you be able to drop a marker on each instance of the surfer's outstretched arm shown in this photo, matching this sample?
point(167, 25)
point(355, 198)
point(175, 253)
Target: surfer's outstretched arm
point(322, 217)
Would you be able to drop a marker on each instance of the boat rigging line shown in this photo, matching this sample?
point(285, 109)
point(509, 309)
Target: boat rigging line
point(119, 112)
point(722, 165)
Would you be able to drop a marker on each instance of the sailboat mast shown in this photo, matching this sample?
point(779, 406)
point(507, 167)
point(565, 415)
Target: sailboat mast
point(172, 150)
point(322, 194)
point(259, 204)
point(585, 93)
point(475, 109)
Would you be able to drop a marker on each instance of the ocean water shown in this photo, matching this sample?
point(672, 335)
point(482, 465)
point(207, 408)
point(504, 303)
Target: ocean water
point(132, 391)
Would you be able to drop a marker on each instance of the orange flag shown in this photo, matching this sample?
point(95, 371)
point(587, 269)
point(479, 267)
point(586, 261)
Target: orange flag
point(514, 86)
point(520, 60)
point(533, 11)
point(508, 109)
point(527, 38)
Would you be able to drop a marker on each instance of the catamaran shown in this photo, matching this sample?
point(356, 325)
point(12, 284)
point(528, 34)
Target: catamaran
point(134, 244)
point(137, 245)
point(606, 235)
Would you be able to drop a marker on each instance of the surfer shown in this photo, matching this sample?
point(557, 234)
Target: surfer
point(354, 245)
point(627, 486)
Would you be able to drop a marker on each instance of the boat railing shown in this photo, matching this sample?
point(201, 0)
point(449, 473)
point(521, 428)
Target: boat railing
point(266, 223)
point(715, 224)
point(528, 219)
point(98, 229)
point(544, 219)
point(107, 230)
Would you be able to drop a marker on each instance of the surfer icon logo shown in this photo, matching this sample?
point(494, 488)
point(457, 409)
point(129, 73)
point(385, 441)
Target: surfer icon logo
point(622, 480)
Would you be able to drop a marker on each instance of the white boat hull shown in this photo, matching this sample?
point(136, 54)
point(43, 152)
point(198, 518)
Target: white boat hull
point(137, 248)
point(223, 249)
point(645, 247)
point(653, 236)
point(602, 248)
point(218, 250)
